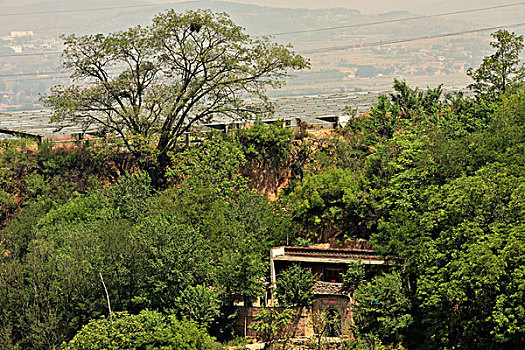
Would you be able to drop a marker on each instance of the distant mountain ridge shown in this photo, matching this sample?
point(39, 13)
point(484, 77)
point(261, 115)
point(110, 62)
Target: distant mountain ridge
point(258, 20)
point(372, 67)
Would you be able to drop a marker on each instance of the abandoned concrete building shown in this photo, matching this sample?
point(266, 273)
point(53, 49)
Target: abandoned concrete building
point(330, 296)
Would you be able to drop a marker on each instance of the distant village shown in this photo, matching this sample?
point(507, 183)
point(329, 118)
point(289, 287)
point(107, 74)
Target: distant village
point(29, 73)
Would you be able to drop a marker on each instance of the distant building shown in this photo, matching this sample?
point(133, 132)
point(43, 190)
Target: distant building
point(20, 34)
point(330, 294)
point(326, 262)
point(329, 264)
point(17, 48)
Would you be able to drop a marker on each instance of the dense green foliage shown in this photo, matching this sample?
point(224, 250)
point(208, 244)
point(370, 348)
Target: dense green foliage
point(443, 190)
point(29, 172)
point(383, 308)
point(354, 275)
point(168, 250)
point(436, 184)
point(294, 287)
point(147, 330)
point(272, 324)
point(266, 143)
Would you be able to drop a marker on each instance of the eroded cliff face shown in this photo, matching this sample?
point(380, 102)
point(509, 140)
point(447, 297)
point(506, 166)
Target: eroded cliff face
point(266, 178)
point(269, 177)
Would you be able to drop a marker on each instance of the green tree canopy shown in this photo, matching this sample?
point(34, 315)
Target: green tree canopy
point(149, 85)
point(294, 287)
point(502, 70)
point(383, 307)
point(147, 330)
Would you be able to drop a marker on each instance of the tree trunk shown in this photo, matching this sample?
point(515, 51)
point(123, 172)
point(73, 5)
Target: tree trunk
point(157, 171)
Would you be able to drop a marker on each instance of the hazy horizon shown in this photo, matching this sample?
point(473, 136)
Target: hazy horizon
point(366, 7)
point(348, 67)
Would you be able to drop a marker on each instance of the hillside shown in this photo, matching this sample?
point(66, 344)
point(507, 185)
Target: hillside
point(137, 240)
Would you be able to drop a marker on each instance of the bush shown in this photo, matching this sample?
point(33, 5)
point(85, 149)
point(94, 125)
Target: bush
point(294, 288)
point(147, 330)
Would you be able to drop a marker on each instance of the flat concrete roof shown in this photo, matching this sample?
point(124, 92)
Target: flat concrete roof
point(326, 255)
point(302, 258)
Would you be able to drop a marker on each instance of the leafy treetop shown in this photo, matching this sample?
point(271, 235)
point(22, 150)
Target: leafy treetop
point(294, 288)
point(149, 85)
point(502, 70)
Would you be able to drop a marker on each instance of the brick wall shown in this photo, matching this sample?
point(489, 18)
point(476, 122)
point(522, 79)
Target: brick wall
point(302, 322)
point(341, 304)
point(300, 326)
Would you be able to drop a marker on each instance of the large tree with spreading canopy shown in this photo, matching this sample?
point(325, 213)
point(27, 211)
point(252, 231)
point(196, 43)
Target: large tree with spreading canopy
point(150, 85)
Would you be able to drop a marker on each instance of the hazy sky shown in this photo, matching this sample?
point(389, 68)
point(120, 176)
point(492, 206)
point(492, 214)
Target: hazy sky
point(365, 6)
point(361, 5)
point(372, 6)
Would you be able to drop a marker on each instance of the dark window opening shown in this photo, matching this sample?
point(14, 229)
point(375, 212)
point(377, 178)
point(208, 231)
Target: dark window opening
point(333, 275)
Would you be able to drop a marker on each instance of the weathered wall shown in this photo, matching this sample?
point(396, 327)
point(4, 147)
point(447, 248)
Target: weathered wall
point(300, 326)
point(341, 304)
point(302, 322)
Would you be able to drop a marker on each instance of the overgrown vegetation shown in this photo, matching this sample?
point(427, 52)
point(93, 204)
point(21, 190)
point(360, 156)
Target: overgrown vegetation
point(147, 330)
point(435, 181)
point(294, 288)
point(150, 85)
